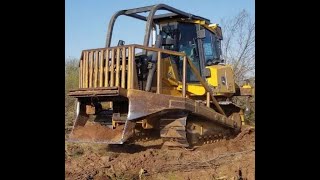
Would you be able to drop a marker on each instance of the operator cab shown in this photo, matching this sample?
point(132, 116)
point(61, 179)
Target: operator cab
point(202, 46)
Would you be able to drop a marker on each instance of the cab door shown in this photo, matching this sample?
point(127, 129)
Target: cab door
point(188, 44)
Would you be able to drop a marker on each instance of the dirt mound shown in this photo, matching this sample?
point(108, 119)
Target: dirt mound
point(226, 159)
point(97, 132)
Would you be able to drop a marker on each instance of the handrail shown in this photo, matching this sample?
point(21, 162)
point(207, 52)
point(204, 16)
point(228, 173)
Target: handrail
point(175, 53)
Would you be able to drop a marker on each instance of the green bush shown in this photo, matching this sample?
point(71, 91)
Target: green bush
point(71, 82)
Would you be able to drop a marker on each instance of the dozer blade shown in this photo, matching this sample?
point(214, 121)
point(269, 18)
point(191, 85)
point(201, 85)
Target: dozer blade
point(88, 129)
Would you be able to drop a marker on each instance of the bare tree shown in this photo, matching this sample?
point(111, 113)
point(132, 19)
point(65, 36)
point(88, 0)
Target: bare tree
point(238, 49)
point(239, 45)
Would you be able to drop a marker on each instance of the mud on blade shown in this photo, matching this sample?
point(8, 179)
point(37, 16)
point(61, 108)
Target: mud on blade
point(95, 129)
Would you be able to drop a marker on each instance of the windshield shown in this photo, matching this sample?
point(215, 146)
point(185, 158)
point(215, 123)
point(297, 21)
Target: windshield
point(184, 36)
point(188, 45)
point(210, 48)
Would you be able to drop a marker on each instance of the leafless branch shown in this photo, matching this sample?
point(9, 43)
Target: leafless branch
point(239, 44)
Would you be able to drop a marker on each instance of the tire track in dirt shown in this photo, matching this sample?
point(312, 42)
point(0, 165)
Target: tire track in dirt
point(224, 159)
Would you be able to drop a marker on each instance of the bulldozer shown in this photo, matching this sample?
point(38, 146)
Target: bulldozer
point(175, 87)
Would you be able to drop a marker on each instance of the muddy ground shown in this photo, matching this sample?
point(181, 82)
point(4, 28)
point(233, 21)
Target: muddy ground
point(226, 159)
point(96, 132)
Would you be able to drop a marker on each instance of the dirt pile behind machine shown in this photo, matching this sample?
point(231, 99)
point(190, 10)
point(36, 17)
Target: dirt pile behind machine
point(175, 86)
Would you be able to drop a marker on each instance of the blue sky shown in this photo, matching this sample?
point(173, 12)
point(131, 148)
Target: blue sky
point(86, 21)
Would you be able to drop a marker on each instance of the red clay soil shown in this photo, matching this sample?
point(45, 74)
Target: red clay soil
point(224, 160)
point(95, 131)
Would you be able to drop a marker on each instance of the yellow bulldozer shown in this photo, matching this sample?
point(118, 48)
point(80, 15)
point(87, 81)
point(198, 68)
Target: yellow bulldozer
point(175, 86)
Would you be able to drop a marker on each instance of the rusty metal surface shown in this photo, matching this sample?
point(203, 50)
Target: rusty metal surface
point(103, 67)
point(92, 93)
point(142, 104)
point(94, 89)
point(145, 103)
point(115, 66)
point(159, 75)
point(173, 132)
point(81, 117)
